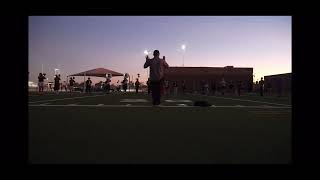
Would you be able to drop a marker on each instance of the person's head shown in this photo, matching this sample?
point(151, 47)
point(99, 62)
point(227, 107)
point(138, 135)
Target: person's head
point(156, 53)
point(88, 78)
point(40, 74)
point(261, 78)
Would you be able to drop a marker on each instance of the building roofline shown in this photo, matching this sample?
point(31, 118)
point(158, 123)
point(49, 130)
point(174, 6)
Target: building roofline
point(278, 74)
point(211, 67)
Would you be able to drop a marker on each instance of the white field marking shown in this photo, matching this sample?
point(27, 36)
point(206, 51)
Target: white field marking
point(259, 107)
point(44, 94)
point(128, 104)
point(239, 105)
point(181, 104)
point(247, 100)
point(143, 106)
point(133, 100)
point(100, 104)
point(270, 112)
point(177, 100)
point(44, 104)
point(65, 99)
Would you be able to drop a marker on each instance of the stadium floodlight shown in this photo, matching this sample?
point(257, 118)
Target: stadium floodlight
point(183, 47)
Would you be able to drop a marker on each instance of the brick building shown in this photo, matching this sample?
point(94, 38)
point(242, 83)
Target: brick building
point(278, 84)
point(194, 75)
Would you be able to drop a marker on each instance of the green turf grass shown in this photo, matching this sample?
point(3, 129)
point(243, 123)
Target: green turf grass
point(158, 135)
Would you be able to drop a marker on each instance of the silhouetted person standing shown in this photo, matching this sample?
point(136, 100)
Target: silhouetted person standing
point(231, 86)
point(88, 85)
point(125, 85)
point(71, 83)
point(167, 87)
point(175, 88)
point(41, 78)
point(261, 83)
point(107, 84)
point(206, 88)
point(223, 86)
point(118, 86)
point(184, 87)
point(137, 84)
point(57, 84)
point(157, 69)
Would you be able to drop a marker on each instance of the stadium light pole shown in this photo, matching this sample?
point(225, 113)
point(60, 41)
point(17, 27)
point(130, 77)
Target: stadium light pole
point(183, 47)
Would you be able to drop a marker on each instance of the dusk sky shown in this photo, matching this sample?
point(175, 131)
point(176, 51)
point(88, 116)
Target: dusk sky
point(78, 43)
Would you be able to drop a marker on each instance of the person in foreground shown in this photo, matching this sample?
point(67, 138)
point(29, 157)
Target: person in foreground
point(157, 69)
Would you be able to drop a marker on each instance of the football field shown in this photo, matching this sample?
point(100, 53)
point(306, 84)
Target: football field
point(126, 128)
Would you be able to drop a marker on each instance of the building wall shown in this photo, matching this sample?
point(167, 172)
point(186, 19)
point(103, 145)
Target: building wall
point(279, 84)
point(194, 75)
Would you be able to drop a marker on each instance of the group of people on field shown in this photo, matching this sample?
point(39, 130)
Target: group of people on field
point(157, 84)
point(57, 85)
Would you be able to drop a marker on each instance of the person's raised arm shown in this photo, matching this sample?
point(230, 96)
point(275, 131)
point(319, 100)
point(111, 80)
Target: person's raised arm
point(147, 63)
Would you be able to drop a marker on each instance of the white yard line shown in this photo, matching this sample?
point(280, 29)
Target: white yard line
point(143, 106)
point(133, 100)
point(45, 104)
point(65, 99)
point(177, 100)
point(262, 107)
point(245, 100)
